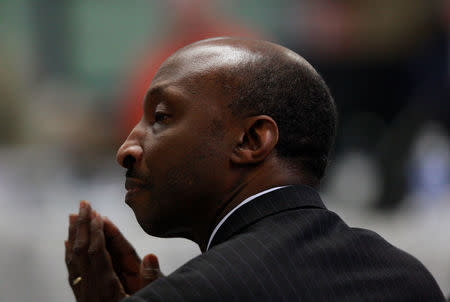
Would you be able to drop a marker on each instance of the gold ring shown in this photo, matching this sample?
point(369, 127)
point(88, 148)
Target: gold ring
point(76, 281)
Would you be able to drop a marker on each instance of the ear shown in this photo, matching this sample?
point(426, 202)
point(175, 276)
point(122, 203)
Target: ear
point(257, 139)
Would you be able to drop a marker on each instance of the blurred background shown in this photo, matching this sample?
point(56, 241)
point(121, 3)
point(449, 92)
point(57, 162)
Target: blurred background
point(72, 78)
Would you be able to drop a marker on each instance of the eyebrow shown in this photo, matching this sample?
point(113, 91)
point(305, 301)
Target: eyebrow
point(156, 91)
point(164, 93)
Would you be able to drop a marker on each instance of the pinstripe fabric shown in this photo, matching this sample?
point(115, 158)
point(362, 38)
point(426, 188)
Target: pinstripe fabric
point(286, 246)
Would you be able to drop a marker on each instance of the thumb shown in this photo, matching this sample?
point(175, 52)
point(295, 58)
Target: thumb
point(150, 269)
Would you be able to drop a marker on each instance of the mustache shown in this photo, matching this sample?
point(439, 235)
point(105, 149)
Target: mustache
point(134, 174)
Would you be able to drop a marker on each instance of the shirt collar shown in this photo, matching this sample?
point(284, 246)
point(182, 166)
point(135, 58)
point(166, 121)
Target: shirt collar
point(247, 200)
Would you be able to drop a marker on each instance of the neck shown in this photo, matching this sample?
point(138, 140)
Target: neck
point(259, 180)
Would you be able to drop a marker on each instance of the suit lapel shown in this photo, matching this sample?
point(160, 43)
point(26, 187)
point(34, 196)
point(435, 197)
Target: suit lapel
point(289, 198)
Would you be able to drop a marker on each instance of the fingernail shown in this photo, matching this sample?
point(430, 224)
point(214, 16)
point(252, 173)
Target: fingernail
point(83, 207)
point(147, 262)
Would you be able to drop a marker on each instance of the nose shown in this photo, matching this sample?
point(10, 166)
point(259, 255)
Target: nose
point(131, 150)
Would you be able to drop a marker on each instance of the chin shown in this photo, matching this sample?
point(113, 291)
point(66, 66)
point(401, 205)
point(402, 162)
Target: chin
point(157, 221)
point(162, 230)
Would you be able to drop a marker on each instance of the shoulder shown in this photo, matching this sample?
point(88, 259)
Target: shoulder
point(303, 254)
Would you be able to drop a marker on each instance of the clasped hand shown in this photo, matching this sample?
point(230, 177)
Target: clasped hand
point(103, 266)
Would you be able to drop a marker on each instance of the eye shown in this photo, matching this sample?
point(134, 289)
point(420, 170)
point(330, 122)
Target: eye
point(161, 117)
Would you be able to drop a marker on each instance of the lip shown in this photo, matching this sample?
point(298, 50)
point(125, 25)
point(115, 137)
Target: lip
point(133, 185)
point(134, 188)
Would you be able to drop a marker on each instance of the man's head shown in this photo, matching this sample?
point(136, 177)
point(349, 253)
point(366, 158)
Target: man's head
point(222, 115)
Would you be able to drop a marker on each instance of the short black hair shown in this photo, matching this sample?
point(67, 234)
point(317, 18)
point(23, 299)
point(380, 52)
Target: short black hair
point(296, 97)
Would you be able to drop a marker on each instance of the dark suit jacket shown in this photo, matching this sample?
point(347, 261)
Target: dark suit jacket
point(286, 246)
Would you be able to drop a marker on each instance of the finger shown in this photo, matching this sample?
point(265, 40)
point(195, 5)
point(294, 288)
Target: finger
point(116, 241)
point(82, 227)
point(150, 269)
point(71, 269)
point(72, 229)
point(125, 259)
point(107, 285)
point(69, 243)
point(71, 263)
point(79, 252)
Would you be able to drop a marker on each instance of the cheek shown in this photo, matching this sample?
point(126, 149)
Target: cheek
point(181, 176)
point(169, 166)
point(194, 170)
point(184, 158)
point(188, 168)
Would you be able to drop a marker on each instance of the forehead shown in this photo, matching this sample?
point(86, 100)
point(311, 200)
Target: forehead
point(191, 77)
point(200, 66)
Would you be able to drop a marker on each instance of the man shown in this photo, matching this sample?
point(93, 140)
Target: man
point(232, 144)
